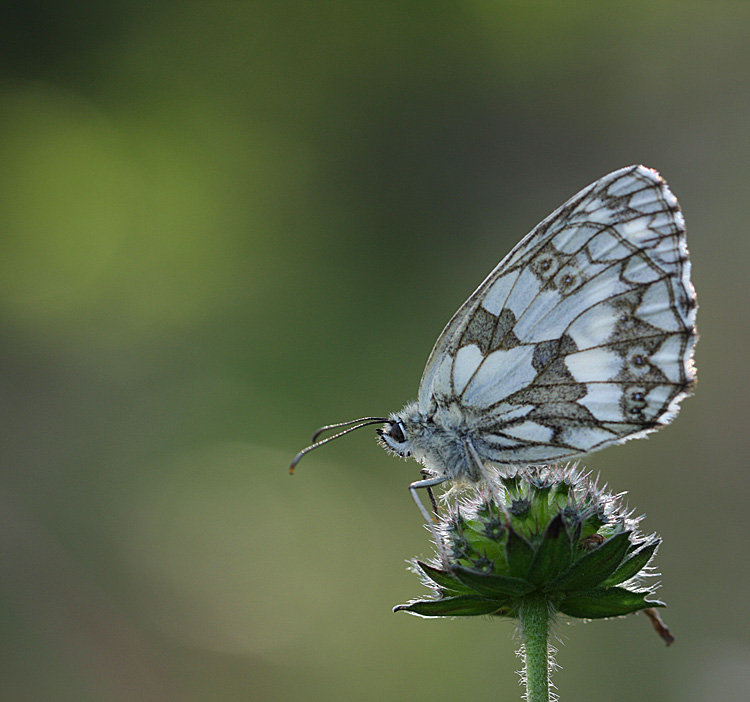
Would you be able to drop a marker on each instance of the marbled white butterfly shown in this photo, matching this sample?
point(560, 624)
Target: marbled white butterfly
point(581, 337)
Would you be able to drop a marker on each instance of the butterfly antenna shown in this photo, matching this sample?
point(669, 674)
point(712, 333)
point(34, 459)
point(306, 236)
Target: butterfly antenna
point(365, 420)
point(357, 424)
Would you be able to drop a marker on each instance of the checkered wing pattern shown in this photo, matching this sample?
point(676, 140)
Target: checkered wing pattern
point(582, 336)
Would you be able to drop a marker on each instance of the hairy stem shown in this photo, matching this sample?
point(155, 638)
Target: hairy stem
point(534, 617)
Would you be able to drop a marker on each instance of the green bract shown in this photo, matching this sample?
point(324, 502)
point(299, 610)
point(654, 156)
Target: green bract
point(542, 532)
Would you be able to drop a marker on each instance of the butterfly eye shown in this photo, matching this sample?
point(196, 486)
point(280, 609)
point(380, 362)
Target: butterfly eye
point(397, 432)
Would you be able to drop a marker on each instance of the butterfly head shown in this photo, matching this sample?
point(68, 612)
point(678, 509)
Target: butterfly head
point(394, 437)
point(436, 441)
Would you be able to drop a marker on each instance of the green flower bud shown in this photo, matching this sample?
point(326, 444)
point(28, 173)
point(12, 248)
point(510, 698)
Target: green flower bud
point(544, 532)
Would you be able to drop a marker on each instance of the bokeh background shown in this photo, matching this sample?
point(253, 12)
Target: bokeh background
point(224, 224)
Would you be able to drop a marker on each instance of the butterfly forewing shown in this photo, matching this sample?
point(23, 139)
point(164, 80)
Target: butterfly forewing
point(582, 336)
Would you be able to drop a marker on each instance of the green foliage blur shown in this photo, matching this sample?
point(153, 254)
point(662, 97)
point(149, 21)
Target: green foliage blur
point(224, 224)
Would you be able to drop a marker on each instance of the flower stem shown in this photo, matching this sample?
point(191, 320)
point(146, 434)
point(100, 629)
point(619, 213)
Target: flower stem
point(534, 617)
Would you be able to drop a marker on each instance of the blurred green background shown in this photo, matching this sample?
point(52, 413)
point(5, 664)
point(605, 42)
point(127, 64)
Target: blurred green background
point(224, 224)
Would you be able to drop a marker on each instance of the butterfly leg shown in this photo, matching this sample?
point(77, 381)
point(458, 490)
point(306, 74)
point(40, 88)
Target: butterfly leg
point(431, 494)
point(428, 484)
point(475, 459)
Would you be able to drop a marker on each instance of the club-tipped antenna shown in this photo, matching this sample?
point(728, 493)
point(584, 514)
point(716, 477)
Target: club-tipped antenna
point(357, 424)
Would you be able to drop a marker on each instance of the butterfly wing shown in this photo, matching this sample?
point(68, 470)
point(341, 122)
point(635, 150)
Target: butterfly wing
point(582, 336)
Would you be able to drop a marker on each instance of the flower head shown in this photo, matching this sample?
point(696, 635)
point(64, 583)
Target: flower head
point(545, 532)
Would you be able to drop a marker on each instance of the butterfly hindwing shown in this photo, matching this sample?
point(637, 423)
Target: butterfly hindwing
point(583, 335)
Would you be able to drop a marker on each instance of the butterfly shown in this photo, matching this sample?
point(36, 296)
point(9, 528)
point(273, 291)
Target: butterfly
point(582, 337)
